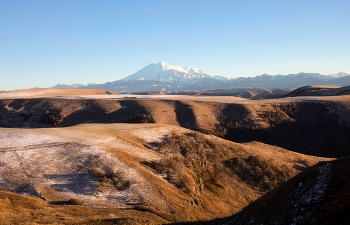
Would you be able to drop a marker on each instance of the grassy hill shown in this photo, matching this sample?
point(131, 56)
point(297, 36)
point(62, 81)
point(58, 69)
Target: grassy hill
point(309, 125)
point(171, 172)
point(318, 195)
point(163, 159)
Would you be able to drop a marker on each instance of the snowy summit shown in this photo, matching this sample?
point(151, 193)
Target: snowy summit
point(165, 72)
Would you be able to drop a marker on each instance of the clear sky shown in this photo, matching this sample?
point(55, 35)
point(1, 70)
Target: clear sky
point(46, 42)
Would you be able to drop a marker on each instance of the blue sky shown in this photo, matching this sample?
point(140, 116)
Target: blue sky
point(46, 42)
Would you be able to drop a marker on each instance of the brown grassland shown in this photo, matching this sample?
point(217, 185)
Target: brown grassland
point(93, 157)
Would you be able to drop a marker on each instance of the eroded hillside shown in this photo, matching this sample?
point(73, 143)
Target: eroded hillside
point(310, 125)
point(319, 195)
point(171, 172)
point(157, 159)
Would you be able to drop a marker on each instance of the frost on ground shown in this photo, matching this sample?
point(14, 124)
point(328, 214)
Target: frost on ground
point(311, 194)
point(56, 165)
point(291, 206)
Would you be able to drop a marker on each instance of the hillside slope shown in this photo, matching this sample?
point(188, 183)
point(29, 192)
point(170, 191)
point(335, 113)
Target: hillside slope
point(319, 91)
point(310, 125)
point(24, 209)
point(248, 93)
point(58, 92)
point(174, 173)
point(319, 195)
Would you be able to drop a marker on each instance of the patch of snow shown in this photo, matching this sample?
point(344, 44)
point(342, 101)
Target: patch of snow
point(310, 197)
point(56, 163)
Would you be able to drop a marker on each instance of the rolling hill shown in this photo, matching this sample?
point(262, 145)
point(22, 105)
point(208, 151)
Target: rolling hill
point(318, 195)
point(319, 91)
point(69, 155)
point(309, 125)
point(171, 172)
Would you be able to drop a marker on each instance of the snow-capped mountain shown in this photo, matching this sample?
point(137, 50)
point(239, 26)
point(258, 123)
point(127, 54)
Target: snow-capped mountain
point(164, 77)
point(165, 72)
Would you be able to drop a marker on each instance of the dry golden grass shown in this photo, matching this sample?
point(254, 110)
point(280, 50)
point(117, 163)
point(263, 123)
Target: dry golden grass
point(124, 147)
point(319, 195)
point(161, 111)
point(182, 195)
point(206, 115)
point(195, 112)
point(19, 209)
point(53, 92)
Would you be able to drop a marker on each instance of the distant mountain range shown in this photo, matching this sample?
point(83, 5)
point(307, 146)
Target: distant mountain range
point(162, 77)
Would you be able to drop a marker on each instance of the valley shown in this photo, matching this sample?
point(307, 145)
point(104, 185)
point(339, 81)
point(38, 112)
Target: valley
point(305, 124)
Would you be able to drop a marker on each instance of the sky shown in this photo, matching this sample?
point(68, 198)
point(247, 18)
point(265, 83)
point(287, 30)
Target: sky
point(43, 43)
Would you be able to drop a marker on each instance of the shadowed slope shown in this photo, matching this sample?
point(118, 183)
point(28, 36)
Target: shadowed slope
point(308, 125)
point(97, 111)
point(185, 116)
point(319, 195)
point(319, 91)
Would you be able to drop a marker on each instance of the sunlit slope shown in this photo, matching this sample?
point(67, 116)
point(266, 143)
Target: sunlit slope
point(53, 92)
point(175, 173)
point(24, 209)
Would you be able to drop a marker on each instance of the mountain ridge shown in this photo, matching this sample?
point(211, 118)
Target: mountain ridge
point(167, 78)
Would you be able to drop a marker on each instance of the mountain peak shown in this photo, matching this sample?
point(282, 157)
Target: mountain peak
point(164, 64)
point(163, 71)
point(187, 70)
